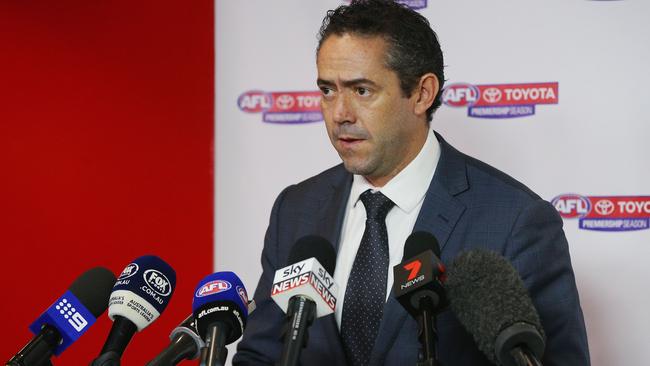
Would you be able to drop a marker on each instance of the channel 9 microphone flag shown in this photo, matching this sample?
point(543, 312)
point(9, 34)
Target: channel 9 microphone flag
point(140, 295)
point(220, 307)
point(67, 318)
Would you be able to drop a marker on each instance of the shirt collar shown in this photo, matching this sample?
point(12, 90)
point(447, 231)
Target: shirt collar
point(408, 188)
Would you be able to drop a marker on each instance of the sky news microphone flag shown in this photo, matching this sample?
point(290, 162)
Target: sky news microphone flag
point(304, 290)
point(311, 262)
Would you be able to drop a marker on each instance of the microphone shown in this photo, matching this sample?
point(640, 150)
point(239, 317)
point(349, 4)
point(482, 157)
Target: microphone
point(220, 308)
point(304, 290)
point(139, 296)
point(185, 344)
point(67, 318)
point(418, 286)
point(490, 300)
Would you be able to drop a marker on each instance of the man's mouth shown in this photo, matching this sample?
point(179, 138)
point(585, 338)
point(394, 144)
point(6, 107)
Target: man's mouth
point(348, 142)
point(349, 139)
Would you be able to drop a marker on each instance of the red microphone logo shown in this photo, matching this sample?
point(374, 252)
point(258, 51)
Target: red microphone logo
point(414, 267)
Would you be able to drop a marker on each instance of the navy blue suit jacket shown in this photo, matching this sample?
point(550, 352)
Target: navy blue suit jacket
point(468, 205)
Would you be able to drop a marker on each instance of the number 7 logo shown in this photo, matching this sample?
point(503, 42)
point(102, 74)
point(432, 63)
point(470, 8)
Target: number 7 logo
point(414, 267)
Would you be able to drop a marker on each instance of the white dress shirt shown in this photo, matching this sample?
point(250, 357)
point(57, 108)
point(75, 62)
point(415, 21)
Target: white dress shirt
point(407, 190)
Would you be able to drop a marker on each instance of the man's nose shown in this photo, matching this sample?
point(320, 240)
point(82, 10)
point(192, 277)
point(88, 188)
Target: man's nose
point(343, 113)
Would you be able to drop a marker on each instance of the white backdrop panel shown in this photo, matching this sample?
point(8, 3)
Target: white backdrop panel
point(593, 142)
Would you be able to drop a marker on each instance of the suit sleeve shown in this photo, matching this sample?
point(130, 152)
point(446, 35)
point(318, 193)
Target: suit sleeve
point(539, 250)
point(261, 343)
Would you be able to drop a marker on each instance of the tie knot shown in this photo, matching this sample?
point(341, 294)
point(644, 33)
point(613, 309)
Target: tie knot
point(377, 205)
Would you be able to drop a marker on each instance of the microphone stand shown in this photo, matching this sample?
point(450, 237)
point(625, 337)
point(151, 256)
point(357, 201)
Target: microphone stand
point(39, 350)
point(119, 337)
point(301, 314)
point(181, 348)
point(427, 301)
point(215, 345)
point(523, 357)
point(519, 345)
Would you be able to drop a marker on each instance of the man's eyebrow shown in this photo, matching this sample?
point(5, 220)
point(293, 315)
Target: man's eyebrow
point(322, 82)
point(347, 83)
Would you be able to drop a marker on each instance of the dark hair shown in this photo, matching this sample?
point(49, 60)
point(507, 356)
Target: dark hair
point(413, 48)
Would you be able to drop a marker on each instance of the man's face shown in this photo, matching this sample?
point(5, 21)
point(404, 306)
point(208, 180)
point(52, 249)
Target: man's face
point(371, 124)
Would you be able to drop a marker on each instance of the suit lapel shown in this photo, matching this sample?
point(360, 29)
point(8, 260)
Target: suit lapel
point(332, 207)
point(441, 210)
point(439, 214)
point(332, 213)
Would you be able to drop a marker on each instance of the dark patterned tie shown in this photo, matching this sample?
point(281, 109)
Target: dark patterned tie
point(365, 295)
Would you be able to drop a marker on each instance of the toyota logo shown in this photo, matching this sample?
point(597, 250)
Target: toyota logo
point(285, 101)
point(604, 207)
point(492, 95)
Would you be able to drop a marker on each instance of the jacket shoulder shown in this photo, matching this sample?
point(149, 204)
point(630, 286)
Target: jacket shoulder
point(485, 176)
point(315, 185)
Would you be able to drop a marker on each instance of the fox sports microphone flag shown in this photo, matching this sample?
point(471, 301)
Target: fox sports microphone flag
point(142, 291)
point(221, 297)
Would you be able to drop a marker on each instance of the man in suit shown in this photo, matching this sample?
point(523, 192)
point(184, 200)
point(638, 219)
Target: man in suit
point(380, 70)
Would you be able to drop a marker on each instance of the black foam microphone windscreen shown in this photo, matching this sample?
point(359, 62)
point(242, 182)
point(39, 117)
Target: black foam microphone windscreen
point(490, 300)
point(314, 246)
point(91, 289)
point(419, 242)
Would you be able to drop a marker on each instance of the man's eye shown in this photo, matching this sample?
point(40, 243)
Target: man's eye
point(363, 91)
point(326, 91)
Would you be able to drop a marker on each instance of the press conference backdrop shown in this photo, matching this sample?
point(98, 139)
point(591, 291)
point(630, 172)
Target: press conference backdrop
point(554, 93)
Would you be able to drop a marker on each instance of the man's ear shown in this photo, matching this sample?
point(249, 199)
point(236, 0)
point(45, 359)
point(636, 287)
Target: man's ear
point(425, 93)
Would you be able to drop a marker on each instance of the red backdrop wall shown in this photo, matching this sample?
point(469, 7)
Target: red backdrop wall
point(106, 130)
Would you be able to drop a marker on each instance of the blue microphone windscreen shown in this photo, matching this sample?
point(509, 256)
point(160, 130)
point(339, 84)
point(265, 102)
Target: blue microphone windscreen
point(150, 278)
point(221, 286)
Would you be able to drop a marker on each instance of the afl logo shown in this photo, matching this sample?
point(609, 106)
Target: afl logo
point(213, 287)
point(254, 101)
point(129, 271)
point(460, 95)
point(572, 205)
point(242, 294)
point(158, 282)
